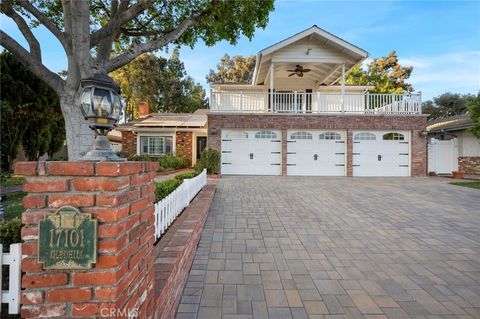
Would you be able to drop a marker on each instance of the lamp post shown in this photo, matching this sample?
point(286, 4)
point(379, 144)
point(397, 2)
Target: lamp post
point(102, 107)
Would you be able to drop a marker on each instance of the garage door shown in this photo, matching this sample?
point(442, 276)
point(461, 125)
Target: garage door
point(381, 153)
point(316, 153)
point(251, 152)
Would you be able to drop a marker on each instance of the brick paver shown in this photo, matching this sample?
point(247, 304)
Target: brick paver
point(288, 247)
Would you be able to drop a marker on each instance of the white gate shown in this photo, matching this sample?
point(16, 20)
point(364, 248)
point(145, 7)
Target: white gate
point(443, 156)
point(13, 259)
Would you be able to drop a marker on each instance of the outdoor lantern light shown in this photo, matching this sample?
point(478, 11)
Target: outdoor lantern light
point(102, 107)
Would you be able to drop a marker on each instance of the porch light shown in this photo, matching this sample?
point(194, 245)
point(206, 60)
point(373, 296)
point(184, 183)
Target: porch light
point(101, 106)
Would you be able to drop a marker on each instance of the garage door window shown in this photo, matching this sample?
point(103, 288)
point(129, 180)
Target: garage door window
point(237, 134)
point(301, 136)
point(393, 137)
point(265, 134)
point(330, 136)
point(365, 136)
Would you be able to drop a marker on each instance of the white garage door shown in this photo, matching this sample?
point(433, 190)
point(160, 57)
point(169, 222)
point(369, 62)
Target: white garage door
point(381, 153)
point(316, 153)
point(249, 152)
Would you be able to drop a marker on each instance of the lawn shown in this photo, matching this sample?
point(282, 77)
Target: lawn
point(12, 204)
point(475, 185)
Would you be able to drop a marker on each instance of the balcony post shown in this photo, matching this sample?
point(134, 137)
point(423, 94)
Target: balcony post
point(318, 101)
point(211, 99)
point(295, 106)
point(343, 88)
point(241, 100)
point(272, 85)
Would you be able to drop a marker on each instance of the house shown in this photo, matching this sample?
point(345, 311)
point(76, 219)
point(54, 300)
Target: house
point(451, 146)
point(298, 117)
point(157, 134)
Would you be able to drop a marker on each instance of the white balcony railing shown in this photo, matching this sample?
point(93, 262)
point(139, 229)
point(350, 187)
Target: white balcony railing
point(293, 102)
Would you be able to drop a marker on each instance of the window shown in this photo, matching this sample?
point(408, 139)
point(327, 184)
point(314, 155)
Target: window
point(265, 134)
point(155, 145)
point(237, 134)
point(301, 136)
point(365, 136)
point(393, 137)
point(330, 136)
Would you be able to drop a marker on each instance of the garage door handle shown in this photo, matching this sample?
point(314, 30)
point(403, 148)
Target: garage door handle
point(251, 155)
point(380, 157)
point(315, 157)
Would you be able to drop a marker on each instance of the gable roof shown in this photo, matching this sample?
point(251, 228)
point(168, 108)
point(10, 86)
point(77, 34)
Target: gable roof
point(330, 39)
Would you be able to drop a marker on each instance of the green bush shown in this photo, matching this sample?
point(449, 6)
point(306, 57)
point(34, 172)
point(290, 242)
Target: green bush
point(10, 232)
point(173, 162)
point(139, 158)
point(164, 188)
point(209, 159)
point(183, 176)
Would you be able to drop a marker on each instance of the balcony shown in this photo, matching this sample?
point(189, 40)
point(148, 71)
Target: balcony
point(316, 103)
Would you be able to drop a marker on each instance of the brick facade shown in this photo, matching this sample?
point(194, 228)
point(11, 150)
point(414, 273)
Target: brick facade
point(184, 145)
point(469, 165)
point(129, 143)
point(120, 196)
point(414, 123)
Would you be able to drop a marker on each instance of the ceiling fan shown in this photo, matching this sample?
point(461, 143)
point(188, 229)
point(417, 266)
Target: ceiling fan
point(299, 70)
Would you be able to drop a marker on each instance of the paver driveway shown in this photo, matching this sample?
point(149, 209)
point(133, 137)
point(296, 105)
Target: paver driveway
point(283, 247)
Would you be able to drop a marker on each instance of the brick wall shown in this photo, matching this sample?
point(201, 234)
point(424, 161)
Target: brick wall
point(184, 145)
point(129, 143)
point(469, 165)
point(416, 124)
point(120, 196)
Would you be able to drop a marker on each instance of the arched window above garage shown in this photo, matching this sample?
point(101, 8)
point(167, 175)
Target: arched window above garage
point(237, 134)
point(330, 136)
point(365, 136)
point(301, 136)
point(393, 137)
point(265, 134)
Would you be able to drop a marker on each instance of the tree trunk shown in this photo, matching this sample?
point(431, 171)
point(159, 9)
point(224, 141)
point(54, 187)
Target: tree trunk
point(79, 136)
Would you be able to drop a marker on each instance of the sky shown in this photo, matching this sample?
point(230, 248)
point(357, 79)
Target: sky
point(440, 39)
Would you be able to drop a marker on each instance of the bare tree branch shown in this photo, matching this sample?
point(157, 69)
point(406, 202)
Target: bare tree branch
point(43, 19)
point(118, 21)
point(52, 79)
point(135, 51)
point(33, 43)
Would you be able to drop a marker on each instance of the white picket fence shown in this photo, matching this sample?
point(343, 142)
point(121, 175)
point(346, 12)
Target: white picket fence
point(167, 210)
point(13, 259)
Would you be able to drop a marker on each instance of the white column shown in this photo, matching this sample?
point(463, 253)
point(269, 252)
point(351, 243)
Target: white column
point(343, 88)
point(272, 86)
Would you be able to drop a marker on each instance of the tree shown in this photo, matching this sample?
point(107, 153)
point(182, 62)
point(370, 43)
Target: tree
point(161, 82)
point(100, 36)
point(474, 111)
point(447, 104)
point(29, 109)
point(237, 69)
point(385, 74)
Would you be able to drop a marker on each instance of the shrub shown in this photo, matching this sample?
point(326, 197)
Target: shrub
point(173, 162)
point(209, 159)
point(10, 232)
point(183, 176)
point(139, 158)
point(164, 188)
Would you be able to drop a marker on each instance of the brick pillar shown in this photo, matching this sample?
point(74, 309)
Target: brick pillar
point(129, 143)
point(120, 196)
point(184, 145)
point(349, 153)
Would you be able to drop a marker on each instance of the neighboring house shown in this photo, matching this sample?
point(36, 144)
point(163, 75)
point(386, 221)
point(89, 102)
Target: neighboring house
point(451, 147)
point(297, 117)
point(158, 134)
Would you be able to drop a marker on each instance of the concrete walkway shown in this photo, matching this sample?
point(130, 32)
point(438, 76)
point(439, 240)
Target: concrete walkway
point(286, 247)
